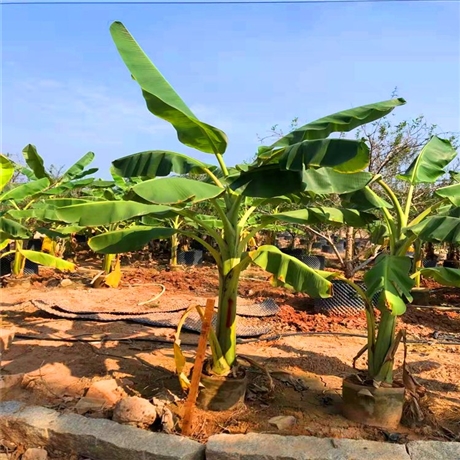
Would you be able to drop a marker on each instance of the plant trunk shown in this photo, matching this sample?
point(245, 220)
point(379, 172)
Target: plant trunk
point(19, 260)
point(174, 247)
point(107, 263)
point(226, 327)
point(417, 264)
point(349, 251)
point(382, 364)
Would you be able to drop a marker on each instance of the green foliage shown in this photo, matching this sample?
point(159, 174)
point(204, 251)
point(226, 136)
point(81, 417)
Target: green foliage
point(129, 239)
point(24, 205)
point(389, 278)
point(154, 163)
point(444, 276)
point(161, 98)
point(430, 164)
point(6, 171)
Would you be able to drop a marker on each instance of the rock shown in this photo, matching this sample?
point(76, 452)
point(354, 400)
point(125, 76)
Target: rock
point(53, 282)
point(86, 405)
point(98, 439)
point(108, 390)
point(66, 282)
point(429, 450)
point(255, 446)
point(7, 382)
point(35, 454)
point(135, 411)
point(6, 339)
point(54, 379)
point(167, 420)
point(163, 398)
point(283, 422)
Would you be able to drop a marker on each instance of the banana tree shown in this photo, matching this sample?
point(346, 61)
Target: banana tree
point(390, 278)
point(305, 160)
point(21, 206)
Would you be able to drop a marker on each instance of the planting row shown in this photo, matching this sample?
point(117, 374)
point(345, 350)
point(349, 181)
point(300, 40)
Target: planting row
point(160, 194)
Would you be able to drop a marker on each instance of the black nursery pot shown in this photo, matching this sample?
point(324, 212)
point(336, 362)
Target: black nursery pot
point(430, 263)
point(344, 301)
point(194, 257)
point(315, 262)
point(296, 252)
point(31, 268)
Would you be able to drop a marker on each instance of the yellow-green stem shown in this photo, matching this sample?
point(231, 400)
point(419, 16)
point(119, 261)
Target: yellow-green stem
point(107, 263)
point(19, 259)
point(410, 193)
point(226, 326)
point(397, 205)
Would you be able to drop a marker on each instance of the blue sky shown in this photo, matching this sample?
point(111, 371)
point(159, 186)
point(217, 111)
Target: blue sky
point(242, 68)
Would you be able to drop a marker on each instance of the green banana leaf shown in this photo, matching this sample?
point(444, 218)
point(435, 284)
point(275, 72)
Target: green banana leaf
point(48, 214)
point(292, 272)
point(86, 172)
point(61, 202)
point(13, 229)
point(451, 192)
point(130, 239)
point(344, 155)
point(99, 183)
point(47, 260)
point(390, 277)
point(270, 182)
point(379, 233)
point(210, 221)
point(364, 200)
point(161, 98)
point(118, 180)
point(267, 182)
point(106, 212)
point(326, 180)
point(154, 163)
point(176, 190)
point(26, 172)
point(323, 215)
point(68, 186)
point(26, 190)
point(341, 122)
point(78, 168)
point(60, 232)
point(443, 275)
point(5, 240)
point(34, 161)
point(6, 171)
point(437, 229)
point(430, 162)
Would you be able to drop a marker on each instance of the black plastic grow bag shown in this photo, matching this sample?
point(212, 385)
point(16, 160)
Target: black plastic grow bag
point(194, 257)
point(315, 262)
point(344, 301)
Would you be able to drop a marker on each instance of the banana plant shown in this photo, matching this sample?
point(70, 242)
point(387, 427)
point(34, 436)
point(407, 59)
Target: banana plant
point(305, 160)
point(21, 206)
point(390, 278)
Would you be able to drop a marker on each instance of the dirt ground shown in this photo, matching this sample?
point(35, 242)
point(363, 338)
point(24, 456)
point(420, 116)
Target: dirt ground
point(62, 357)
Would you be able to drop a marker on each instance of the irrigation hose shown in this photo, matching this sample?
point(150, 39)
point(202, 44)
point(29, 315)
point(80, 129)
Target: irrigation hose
point(239, 342)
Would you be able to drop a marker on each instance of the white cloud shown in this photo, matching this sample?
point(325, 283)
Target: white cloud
point(77, 110)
